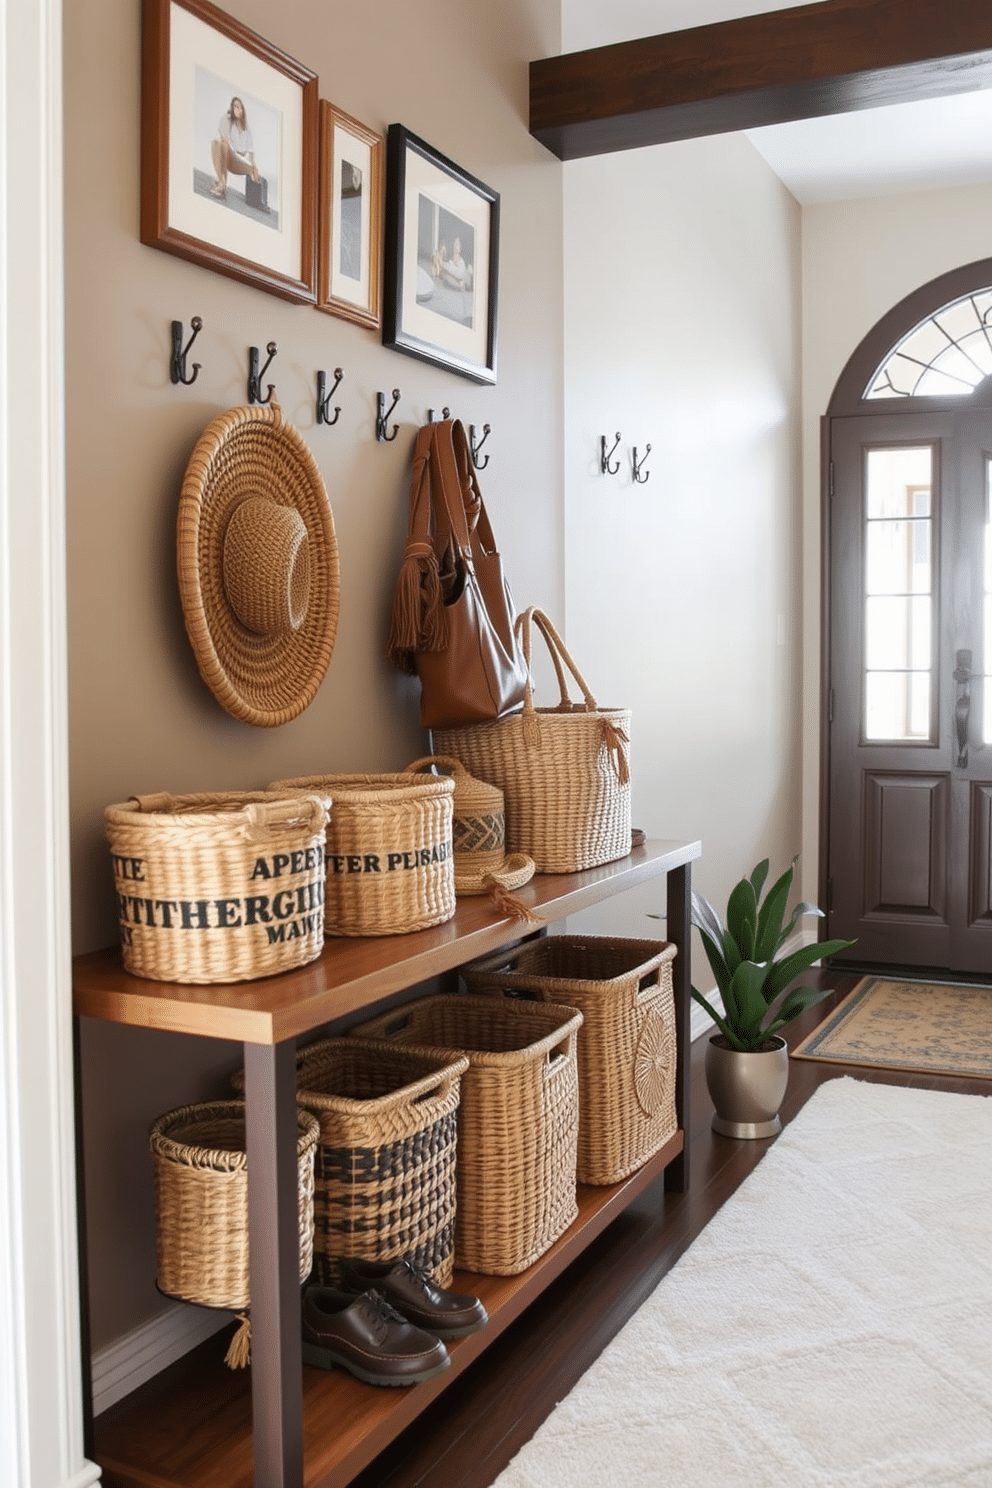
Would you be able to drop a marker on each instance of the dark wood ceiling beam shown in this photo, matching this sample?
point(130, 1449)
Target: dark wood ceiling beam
point(828, 58)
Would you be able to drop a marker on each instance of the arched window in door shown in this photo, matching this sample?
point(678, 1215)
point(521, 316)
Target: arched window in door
point(948, 354)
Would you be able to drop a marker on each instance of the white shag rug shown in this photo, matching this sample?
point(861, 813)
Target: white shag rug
point(831, 1325)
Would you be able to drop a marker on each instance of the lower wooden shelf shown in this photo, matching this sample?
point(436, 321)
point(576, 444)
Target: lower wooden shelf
point(191, 1426)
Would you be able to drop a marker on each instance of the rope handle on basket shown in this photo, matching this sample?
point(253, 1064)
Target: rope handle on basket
point(559, 654)
point(450, 763)
point(287, 811)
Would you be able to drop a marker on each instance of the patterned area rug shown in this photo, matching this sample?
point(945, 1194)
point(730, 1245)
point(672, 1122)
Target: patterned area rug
point(828, 1329)
point(937, 1027)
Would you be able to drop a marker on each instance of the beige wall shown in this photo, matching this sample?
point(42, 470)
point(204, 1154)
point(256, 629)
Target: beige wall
point(682, 306)
point(859, 259)
point(140, 718)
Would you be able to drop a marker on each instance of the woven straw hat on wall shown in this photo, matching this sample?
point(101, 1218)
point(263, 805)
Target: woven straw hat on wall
point(258, 565)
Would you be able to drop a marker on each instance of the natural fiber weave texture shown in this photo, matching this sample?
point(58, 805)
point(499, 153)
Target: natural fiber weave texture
point(219, 888)
point(260, 591)
point(626, 1045)
point(479, 838)
point(518, 1120)
point(201, 1201)
point(563, 770)
point(390, 868)
point(385, 1164)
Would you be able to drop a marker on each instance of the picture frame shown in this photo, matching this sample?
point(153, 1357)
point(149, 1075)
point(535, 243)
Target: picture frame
point(228, 149)
point(350, 220)
point(442, 259)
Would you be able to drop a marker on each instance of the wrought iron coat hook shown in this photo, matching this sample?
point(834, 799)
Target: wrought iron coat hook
point(383, 415)
point(475, 447)
point(604, 458)
point(432, 414)
point(256, 373)
point(177, 362)
point(324, 397)
point(638, 466)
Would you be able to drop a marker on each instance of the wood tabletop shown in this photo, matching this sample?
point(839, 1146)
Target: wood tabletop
point(352, 974)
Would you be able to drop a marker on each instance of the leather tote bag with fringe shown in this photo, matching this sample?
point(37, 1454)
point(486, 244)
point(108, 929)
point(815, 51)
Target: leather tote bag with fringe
point(452, 619)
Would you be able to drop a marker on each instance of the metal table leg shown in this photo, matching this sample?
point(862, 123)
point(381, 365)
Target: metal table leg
point(679, 930)
point(274, 1245)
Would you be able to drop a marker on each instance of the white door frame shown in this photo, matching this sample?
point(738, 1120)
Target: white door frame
point(41, 1427)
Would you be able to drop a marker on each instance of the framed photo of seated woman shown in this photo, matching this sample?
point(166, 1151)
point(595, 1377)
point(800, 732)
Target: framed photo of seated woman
point(228, 149)
point(349, 237)
point(442, 259)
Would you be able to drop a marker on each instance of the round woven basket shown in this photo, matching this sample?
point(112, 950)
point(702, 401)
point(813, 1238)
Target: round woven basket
point(219, 888)
point(257, 562)
point(390, 864)
point(201, 1201)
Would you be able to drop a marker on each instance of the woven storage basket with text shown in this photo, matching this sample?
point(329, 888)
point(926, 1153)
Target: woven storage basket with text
point(219, 888)
point(390, 868)
point(201, 1201)
point(384, 1175)
point(518, 1120)
point(564, 771)
point(626, 1045)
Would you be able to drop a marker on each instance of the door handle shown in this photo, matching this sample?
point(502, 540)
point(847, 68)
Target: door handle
point(962, 705)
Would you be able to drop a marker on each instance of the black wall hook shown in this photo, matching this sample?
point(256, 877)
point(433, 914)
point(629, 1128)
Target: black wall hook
point(476, 447)
point(604, 458)
point(177, 362)
point(638, 464)
point(256, 373)
point(432, 414)
point(324, 397)
point(383, 415)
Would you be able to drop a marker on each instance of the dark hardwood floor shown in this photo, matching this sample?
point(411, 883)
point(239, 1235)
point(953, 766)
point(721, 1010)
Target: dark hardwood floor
point(469, 1436)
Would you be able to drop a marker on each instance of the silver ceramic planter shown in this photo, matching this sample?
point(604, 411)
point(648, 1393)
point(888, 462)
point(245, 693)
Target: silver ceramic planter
point(747, 1089)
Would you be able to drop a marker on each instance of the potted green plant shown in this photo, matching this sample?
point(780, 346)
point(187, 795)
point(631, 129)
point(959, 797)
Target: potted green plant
point(747, 1060)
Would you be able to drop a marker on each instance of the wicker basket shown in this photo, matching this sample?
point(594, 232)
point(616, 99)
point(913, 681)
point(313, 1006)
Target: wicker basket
point(219, 888)
point(385, 1165)
point(564, 771)
point(201, 1202)
point(390, 866)
point(626, 1046)
point(517, 1122)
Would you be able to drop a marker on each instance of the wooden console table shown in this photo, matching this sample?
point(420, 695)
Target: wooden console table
point(280, 1425)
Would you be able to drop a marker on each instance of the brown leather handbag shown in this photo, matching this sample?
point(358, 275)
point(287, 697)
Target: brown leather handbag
point(452, 620)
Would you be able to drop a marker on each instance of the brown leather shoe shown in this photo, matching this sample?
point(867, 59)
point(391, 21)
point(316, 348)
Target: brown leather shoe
point(368, 1337)
point(412, 1292)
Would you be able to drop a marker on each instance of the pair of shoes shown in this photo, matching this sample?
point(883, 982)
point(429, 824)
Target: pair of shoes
point(409, 1289)
point(218, 190)
point(367, 1337)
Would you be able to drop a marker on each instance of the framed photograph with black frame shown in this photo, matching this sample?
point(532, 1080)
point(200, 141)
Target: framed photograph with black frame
point(442, 260)
point(349, 240)
point(228, 149)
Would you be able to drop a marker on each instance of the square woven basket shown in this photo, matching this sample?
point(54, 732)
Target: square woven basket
point(384, 1168)
point(518, 1120)
point(626, 1045)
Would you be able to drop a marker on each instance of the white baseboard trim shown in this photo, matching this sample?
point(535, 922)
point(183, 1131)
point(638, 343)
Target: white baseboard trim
point(133, 1359)
point(85, 1478)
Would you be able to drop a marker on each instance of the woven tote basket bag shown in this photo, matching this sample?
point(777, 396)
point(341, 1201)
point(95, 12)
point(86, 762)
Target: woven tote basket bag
point(518, 1120)
point(390, 864)
point(201, 1202)
point(385, 1165)
point(219, 888)
point(564, 771)
point(626, 1045)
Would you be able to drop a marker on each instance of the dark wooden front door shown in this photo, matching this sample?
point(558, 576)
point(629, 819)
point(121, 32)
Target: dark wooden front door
point(910, 742)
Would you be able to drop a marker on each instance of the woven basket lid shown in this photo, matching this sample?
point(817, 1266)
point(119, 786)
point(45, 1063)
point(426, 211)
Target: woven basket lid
point(257, 561)
point(478, 832)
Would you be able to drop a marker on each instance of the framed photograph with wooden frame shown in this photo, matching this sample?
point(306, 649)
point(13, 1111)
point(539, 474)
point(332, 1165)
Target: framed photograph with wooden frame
point(228, 149)
point(442, 260)
point(349, 236)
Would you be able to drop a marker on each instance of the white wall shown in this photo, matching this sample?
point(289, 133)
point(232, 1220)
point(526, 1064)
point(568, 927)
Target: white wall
point(682, 329)
point(859, 259)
